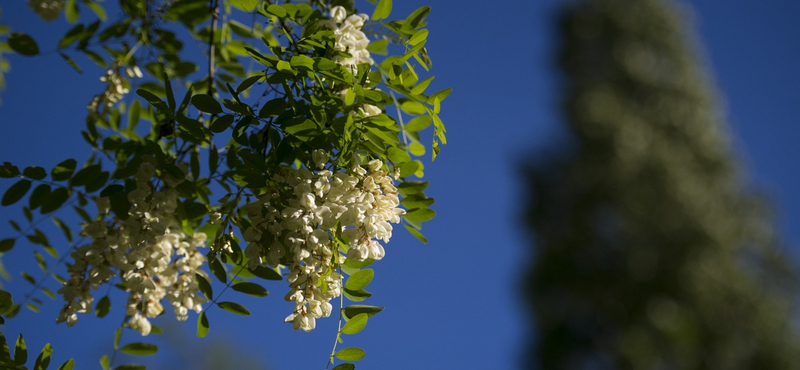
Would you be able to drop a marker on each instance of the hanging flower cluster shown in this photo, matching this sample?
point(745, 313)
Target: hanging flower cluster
point(149, 252)
point(48, 10)
point(349, 38)
point(298, 226)
point(117, 87)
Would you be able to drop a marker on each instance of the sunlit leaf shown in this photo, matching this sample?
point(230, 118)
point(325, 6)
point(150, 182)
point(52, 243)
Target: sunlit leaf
point(350, 354)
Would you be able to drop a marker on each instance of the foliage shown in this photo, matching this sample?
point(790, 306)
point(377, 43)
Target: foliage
point(276, 151)
point(651, 253)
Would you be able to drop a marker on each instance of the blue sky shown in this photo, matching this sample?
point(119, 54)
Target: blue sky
point(457, 301)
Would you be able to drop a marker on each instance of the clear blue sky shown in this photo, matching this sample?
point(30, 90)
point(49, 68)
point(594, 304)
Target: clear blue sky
point(457, 302)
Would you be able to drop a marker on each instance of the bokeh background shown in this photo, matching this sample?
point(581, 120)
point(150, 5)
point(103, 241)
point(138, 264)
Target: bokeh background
point(461, 300)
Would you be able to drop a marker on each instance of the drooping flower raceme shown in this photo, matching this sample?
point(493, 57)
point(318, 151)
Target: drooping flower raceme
point(148, 251)
point(48, 10)
point(299, 226)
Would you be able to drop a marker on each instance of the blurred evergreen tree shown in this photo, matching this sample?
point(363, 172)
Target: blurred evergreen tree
point(651, 252)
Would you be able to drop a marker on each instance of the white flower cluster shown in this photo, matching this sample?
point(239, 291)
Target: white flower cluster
point(117, 87)
point(296, 228)
point(48, 10)
point(149, 251)
point(349, 37)
point(352, 40)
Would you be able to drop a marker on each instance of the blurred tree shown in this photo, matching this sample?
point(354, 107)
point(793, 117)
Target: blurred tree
point(652, 254)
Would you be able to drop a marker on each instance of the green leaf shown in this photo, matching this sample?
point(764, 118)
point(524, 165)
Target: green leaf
point(69, 365)
point(350, 354)
point(378, 47)
point(420, 214)
point(71, 62)
point(417, 201)
point(104, 362)
point(23, 44)
point(71, 11)
point(420, 87)
point(273, 107)
point(6, 244)
point(63, 171)
point(344, 366)
point(101, 310)
point(20, 351)
point(34, 172)
point(73, 34)
point(43, 361)
point(359, 280)
point(140, 349)
point(418, 123)
point(412, 107)
point(418, 37)
point(98, 10)
point(356, 324)
point(15, 192)
point(248, 82)
point(5, 353)
point(234, 308)
point(415, 19)
point(202, 325)
point(206, 103)
point(416, 149)
point(252, 289)
point(302, 61)
point(276, 10)
point(398, 155)
point(416, 234)
point(382, 10)
point(357, 309)
point(5, 302)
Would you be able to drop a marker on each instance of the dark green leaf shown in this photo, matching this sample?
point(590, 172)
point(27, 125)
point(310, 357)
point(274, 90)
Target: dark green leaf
point(43, 361)
point(252, 289)
point(356, 324)
point(206, 103)
point(6, 244)
point(357, 309)
point(23, 44)
point(234, 308)
point(248, 82)
point(140, 349)
point(204, 286)
point(20, 351)
point(344, 366)
point(350, 354)
point(202, 325)
point(412, 187)
point(9, 170)
point(130, 367)
point(101, 310)
point(15, 192)
point(34, 172)
point(71, 62)
point(266, 273)
point(222, 123)
point(63, 171)
point(218, 270)
point(56, 199)
point(417, 201)
point(356, 295)
point(69, 365)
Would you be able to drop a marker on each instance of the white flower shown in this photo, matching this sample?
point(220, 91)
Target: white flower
point(338, 14)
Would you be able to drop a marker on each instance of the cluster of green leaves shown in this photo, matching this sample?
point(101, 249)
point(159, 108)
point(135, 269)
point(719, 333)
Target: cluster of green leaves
point(290, 98)
point(20, 356)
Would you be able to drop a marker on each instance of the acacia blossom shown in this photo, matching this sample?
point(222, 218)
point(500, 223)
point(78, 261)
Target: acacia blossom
point(148, 251)
point(301, 221)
